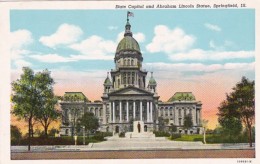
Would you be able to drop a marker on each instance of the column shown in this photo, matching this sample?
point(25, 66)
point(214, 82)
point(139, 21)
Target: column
point(127, 111)
point(151, 106)
point(141, 111)
point(182, 117)
point(120, 111)
point(159, 112)
point(134, 110)
point(104, 113)
point(110, 112)
point(114, 112)
point(147, 111)
point(98, 114)
point(193, 111)
point(168, 112)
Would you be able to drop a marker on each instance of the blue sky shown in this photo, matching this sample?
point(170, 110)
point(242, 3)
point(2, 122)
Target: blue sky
point(212, 30)
point(201, 51)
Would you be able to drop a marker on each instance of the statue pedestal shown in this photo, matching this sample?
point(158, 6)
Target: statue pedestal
point(135, 126)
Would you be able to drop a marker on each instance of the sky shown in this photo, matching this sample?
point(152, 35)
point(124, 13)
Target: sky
point(205, 52)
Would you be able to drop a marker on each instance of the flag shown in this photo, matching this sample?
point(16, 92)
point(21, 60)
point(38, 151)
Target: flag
point(130, 14)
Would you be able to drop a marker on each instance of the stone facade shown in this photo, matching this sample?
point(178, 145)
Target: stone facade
point(129, 97)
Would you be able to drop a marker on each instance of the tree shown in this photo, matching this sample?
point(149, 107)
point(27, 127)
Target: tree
point(161, 124)
point(89, 121)
point(25, 98)
point(16, 134)
point(46, 112)
point(31, 97)
point(187, 121)
point(240, 103)
point(231, 126)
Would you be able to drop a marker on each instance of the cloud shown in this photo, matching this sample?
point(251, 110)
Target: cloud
point(139, 37)
point(212, 27)
point(184, 67)
point(225, 45)
point(112, 27)
point(65, 34)
point(52, 58)
point(20, 63)
point(203, 55)
point(19, 40)
point(170, 40)
point(94, 47)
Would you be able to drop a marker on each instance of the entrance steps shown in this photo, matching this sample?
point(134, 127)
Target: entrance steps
point(146, 135)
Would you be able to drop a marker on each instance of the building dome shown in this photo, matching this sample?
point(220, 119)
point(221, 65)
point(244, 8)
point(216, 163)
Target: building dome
point(128, 43)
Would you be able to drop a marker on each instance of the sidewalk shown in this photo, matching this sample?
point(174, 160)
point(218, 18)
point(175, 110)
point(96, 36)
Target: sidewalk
point(158, 143)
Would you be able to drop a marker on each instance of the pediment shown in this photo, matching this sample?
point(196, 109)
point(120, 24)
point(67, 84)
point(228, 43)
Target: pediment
point(131, 91)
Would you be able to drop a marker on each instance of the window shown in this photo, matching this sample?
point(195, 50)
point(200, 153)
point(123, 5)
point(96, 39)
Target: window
point(128, 62)
point(179, 121)
point(132, 62)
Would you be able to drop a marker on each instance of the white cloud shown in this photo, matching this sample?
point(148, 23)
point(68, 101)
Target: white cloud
point(19, 40)
point(19, 63)
point(112, 27)
point(94, 47)
point(120, 36)
point(202, 55)
point(184, 67)
point(212, 27)
point(139, 37)
point(65, 34)
point(170, 40)
point(225, 45)
point(52, 58)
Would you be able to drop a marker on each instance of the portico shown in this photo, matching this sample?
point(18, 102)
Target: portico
point(123, 111)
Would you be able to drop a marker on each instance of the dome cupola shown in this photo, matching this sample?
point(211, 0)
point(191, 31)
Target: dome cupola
point(128, 46)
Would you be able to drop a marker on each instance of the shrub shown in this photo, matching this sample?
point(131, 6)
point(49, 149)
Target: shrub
point(161, 134)
point(122, 134)
point(175, 136)
point(16, 135)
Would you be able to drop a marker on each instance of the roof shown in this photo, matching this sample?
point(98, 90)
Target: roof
point(128, 43)
point(75, 96)
point(182, 96)
point(152, 81)
point(107, 81)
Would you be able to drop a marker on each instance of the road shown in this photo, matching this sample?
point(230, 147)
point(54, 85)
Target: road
point(127, 154)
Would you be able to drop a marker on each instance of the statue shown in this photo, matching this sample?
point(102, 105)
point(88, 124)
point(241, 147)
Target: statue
point(139, 127)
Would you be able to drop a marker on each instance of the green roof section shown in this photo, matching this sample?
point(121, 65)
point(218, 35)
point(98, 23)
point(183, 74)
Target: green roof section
point(182, 96)
point(128, 43)
point(152, 80)
point(75, 96)
point(107, 81)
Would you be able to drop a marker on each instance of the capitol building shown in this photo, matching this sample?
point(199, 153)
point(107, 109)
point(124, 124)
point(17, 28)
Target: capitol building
point(128, 96)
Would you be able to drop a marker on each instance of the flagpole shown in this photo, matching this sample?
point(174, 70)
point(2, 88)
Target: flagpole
point(127, 16)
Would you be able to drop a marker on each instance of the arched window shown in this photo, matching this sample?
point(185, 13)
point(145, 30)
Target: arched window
point(132, 62)
point(124, 61)
point(128, 62)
